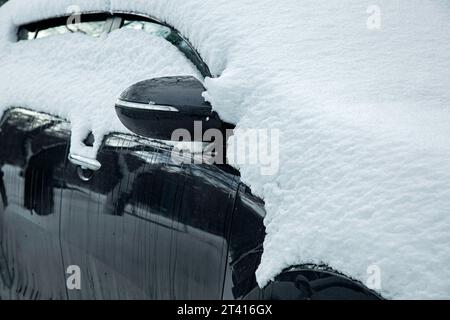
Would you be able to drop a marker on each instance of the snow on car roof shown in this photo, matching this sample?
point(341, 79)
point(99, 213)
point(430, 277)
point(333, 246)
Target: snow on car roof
point(359, 94)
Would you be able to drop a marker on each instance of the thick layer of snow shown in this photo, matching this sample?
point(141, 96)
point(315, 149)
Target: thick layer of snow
point(79, 77)
point(364, 118)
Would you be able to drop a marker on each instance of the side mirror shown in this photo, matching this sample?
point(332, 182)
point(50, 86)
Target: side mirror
point(157, 107)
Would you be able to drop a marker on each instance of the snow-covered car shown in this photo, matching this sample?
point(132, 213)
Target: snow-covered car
point(344, 194)
point(133, 223)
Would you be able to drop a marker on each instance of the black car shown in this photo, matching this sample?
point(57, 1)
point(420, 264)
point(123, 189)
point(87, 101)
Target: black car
point(135, 223)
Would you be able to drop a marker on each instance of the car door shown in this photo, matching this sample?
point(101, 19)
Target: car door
point(145, 227)
point(32, 155)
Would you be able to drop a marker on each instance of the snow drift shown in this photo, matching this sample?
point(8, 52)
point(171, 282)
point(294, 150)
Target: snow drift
point(364, 116)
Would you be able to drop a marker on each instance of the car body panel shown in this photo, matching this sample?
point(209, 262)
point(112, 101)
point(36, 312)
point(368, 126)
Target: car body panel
point(32, 162)
point(140, 224)
point(144, 227)
point(141, 227)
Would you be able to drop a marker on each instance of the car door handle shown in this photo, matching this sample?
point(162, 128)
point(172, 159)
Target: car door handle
point(84, 162)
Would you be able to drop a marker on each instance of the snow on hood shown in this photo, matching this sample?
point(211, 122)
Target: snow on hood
point(364, 175)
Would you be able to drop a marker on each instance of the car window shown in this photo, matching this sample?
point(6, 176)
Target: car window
point(158, 30)
point(96, 25)
point(60, 26)
point(94, 29)
point(170, 35)
point(149, 27)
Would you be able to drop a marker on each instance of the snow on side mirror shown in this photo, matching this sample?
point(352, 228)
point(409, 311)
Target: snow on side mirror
point(157, 107)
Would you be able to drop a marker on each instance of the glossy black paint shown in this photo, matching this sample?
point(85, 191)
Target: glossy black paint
point(183, 93)
point(142, 227)
point(312, 283)
point(32, 157)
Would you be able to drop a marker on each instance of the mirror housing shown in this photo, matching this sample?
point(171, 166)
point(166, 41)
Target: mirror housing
point(157, 107)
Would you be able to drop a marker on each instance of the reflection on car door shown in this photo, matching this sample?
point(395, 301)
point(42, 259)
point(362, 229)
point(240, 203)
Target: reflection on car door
point(32, 155)
point(144, 227)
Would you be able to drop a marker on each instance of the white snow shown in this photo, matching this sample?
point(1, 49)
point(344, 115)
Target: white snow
point(79, 77)
point(364, 116)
